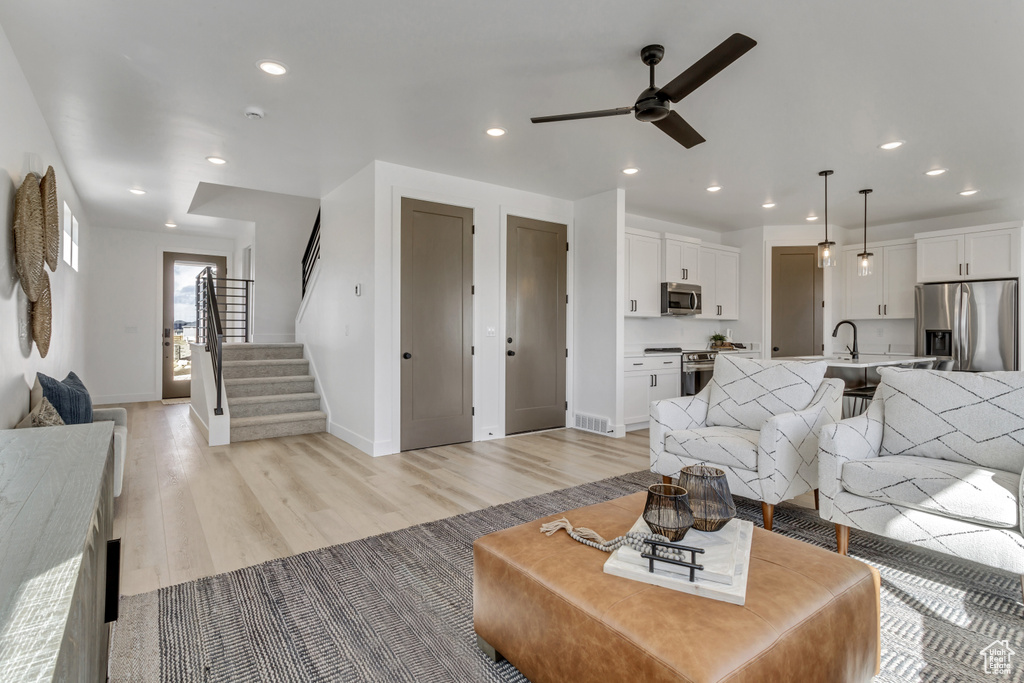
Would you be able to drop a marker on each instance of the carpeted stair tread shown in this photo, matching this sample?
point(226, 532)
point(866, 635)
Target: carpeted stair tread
point(262, 351)
point(244, 400)
point(270, 367)
point(272, 404)
point(267, 386)
point(276, 419)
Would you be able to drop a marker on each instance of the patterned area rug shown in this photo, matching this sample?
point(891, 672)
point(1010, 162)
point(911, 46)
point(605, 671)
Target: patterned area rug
point(399, 607)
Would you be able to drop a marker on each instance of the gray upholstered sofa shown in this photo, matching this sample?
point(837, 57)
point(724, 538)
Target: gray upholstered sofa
point(757, 420)
point(935, 461)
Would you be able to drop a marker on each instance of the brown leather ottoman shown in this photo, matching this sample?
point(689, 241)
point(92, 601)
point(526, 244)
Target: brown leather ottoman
point(546, 605)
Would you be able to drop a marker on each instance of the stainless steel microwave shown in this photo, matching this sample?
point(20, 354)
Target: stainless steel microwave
point(679, 298)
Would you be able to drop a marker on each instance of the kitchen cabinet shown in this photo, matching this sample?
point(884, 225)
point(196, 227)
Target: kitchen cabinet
point(981, 254)
point(889, 291)
point(643, 275)
point(647, 379)
point(682, 260)
point(719, 283)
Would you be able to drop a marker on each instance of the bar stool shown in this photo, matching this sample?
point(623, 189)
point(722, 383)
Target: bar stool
point(861, 397)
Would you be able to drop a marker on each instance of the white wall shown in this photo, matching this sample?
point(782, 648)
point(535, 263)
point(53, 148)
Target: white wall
point(124, 312)
point(282, 227)
point(600, 286)
point(26, 145)
point(336, 326)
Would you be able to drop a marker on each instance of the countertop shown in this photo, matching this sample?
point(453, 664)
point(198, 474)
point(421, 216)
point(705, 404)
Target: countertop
point(638, 351)
point(864, 361)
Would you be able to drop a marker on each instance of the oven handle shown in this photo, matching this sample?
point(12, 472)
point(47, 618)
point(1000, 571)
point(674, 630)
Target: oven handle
point(702, 367)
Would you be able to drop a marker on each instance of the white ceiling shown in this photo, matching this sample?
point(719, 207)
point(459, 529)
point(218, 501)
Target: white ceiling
point(138, 94)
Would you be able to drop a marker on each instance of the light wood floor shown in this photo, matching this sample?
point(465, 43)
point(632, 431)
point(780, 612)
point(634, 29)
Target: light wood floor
point(187, 510)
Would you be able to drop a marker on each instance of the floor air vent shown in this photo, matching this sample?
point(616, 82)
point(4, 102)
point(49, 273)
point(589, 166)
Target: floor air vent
point(589, 423)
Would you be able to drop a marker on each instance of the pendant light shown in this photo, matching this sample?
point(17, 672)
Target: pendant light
point(827, 256)
point(864, 258)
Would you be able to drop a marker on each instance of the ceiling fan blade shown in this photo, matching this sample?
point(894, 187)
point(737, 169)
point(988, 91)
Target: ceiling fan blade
point(679, 130)
point(705, 68)
point(583, 115)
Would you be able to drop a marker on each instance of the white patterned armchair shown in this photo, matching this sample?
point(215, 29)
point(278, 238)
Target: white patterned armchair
point(757, 420)
point(935, 461)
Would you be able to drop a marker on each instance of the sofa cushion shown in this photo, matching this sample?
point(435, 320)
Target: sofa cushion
point(975, 418)
point(747, 392)
point(951, 489)
point(43, 414)
point(730, 446)
point(69, 397)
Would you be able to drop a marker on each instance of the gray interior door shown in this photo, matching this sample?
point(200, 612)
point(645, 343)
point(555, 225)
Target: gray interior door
point(179, 317)
point(535, 326)
point(437, 324)
point(798, 290)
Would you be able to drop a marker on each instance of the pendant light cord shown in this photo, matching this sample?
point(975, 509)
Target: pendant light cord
point(826, 208)
point(865, 223)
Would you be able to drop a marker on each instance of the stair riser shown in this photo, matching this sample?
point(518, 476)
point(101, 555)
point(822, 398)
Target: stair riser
point(270, 388)
point(260, 354)
point(280, 429)
point(275, 408)
point(274, 370)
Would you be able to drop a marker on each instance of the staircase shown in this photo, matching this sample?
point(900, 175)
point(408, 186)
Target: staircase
point(270, 392)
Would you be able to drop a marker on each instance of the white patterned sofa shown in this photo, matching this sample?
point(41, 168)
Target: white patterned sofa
point(935, 461)
point(757, 420)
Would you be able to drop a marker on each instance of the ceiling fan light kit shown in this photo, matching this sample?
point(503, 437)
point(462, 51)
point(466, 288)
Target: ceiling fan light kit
point(654, 104)
point(864, 258)
point(826, 249)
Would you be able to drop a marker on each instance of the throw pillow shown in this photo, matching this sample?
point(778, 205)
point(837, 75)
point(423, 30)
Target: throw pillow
point(43, 415)
point(69, 397)
point(970, 417)
point(747, 392)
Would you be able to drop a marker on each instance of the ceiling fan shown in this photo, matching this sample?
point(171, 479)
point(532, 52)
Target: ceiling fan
point(653, 103)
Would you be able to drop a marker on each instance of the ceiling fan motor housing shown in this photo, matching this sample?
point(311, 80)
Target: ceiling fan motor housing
point(650, 107)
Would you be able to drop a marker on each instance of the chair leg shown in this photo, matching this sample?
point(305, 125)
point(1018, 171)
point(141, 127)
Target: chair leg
point(843, 539)
point(665, 479)
point(767, 512)
point(816, 500)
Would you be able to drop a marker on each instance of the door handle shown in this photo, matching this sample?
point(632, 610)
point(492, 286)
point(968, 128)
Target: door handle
point(693, 301)
point(879, 309)
point(167, 343)
point(407, 355)
point(775, 349)
point(959, 269)
point(511, 352)
point(719, 310)
point(885, 309)
point(968, 268)
point(655, 380)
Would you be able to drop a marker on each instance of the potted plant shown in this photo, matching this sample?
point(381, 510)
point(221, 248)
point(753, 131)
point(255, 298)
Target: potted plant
point(720, 341)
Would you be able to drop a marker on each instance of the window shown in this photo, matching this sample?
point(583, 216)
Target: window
point(70, 238)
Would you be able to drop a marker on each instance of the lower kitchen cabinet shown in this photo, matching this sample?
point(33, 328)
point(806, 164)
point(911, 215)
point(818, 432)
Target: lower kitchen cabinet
point(648, 379)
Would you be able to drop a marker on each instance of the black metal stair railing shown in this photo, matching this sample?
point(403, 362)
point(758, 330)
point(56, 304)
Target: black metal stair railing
point(312, 253)
point(222, 313)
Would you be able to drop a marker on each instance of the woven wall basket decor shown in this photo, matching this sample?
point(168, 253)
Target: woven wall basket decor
point(42, 317)
point(28, 236)
point(51, 218)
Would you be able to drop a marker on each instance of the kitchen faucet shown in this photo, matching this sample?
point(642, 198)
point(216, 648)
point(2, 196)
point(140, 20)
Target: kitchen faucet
point(854, 353)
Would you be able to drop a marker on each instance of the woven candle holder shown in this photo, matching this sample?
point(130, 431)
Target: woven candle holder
point(710, 498)
point(667, 511)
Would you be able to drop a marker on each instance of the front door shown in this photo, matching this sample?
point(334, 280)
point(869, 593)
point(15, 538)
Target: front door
point(437, 324)
point(797, 296)
point(535, 325)
point(179, 328)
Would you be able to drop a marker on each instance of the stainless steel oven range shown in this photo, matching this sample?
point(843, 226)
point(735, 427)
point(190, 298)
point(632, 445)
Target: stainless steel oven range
point(697, 369)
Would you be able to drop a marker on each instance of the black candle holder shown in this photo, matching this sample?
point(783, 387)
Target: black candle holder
point(667, 511)
point(710, 499)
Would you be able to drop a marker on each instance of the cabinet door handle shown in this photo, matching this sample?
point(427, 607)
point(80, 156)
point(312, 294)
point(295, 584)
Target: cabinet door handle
point(885, 309)
point(655, 380)
point(879, 309)
point(637, 363)
point(650, 381)
point(968, 268)
point(959, 269)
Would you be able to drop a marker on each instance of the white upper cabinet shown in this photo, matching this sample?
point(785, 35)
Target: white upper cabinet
point(682, 260)
point(888, 292)
point(719, 283)
point(643, 275)
point(974, 254)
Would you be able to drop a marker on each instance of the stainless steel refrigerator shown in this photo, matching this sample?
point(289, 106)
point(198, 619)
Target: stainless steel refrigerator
point(972, 323)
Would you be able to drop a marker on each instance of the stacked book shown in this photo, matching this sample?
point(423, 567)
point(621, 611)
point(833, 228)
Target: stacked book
point(726, 561)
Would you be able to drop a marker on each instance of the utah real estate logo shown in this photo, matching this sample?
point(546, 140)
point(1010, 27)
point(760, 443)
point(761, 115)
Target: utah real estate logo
point(998, 657)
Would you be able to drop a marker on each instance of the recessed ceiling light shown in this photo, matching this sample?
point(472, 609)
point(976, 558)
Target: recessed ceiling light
point(812, 218)
point(217, 160)
point(631, 170)
point(171, 224)
point(936, 171)
point(768, 205)
point(135, 190)
point(892, 145)
point(496, 132)
point(968, 193)
point(273, 68)
point(714, 188)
